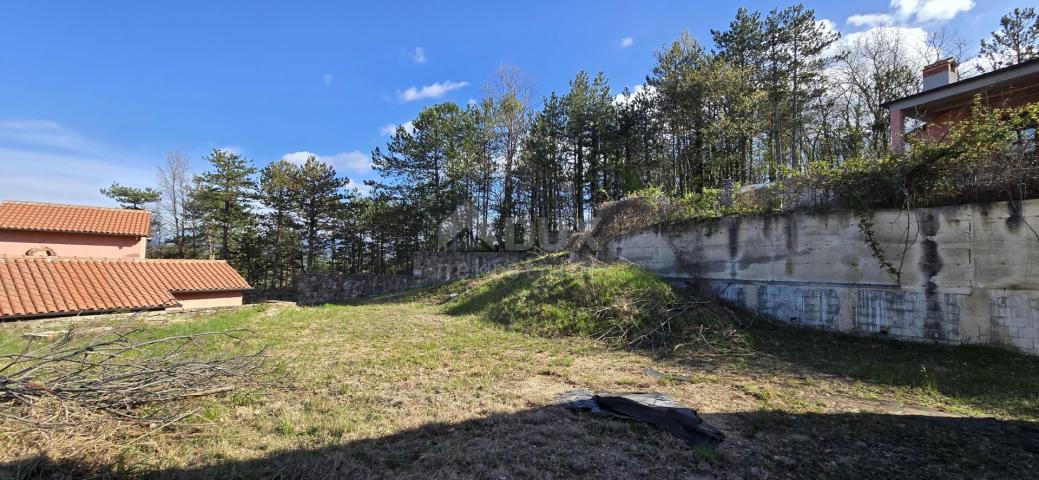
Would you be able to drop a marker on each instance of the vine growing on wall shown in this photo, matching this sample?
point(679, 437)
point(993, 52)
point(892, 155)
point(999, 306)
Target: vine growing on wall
point(991, 155)
point(866, 228)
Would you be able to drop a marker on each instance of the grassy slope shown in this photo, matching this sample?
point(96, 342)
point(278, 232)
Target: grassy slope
point(619, 302)
point(407, 387)
point(552, 298)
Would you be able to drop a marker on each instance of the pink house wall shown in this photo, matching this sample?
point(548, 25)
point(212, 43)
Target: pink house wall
point(208, 299)
point(16, 243)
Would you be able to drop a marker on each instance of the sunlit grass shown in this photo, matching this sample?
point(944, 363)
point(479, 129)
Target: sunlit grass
point(347, 375)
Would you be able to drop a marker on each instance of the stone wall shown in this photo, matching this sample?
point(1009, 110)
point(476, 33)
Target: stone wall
point(966, 274)
point(430, 268)
point(318, 288)
point(448, 266)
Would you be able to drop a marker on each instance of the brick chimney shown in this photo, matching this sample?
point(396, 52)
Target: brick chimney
point(940, 73)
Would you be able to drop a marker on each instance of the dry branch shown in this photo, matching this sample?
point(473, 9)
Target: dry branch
point(116, 373)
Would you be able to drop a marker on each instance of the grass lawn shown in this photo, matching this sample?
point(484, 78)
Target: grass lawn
point(406, 387)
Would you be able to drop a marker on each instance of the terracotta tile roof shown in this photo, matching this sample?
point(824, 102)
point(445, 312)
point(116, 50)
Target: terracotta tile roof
point(34, 286)
point(54, 217)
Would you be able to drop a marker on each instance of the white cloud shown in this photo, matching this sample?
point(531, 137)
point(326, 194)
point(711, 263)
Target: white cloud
point(42, 133)
point(419, 55)
point(231, 149)
point(435, 90)
point(327, 78)
point(391, 128)
point(627, 42)
point(45, 161)
point(910, 41)
point(930, 10)
point(640, 90)
point(870, 20)
point(362, 189)
point(354, 161)
point(827, 25)
point(977, 65)
point(886, 44)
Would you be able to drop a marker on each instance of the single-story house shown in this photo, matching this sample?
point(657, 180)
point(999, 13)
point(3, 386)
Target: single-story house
point(946, 99)
point(58, 260)
point(32, 228)
point(59, 286)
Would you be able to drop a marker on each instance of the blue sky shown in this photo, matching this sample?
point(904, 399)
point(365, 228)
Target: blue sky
point(92, 92)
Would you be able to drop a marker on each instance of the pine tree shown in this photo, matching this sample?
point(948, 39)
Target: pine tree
point(225, 194)
point(741, 47)
point(679, 83)
point(278, 191)
point(318, 196)
point(421, 168)
point(130, 197)
point(807, 41)
point(1016, 41)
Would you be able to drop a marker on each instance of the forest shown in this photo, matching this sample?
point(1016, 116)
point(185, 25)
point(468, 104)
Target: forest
point(774, 95)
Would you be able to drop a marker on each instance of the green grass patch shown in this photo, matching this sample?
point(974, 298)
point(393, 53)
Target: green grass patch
point(617, 302)
point(970, 379)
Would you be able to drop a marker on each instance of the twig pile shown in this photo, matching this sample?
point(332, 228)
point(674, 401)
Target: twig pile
point(123, 371)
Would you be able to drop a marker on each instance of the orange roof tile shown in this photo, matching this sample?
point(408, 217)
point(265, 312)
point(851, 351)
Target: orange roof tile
point(34, 286)
point(53, 217)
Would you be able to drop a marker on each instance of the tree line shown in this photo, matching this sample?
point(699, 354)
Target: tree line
point(772, 94)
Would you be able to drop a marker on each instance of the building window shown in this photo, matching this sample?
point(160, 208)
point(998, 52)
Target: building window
point(1027, 139)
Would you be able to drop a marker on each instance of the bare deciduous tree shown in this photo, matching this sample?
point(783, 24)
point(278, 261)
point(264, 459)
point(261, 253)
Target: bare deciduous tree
point(174, 182)
point(944, 42)
point(876, 67)
point(509, 94)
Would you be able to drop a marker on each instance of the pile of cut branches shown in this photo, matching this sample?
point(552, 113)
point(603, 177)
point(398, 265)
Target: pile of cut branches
point(117, 372)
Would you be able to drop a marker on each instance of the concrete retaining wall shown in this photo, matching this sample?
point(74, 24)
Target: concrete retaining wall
point(968, 274)
point(429, 268)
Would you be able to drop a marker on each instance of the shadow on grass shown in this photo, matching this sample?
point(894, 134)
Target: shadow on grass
point(979, 379)
point(988, 377)
point(551, 442)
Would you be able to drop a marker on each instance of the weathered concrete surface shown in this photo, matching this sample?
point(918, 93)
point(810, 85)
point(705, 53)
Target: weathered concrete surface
point(429, 268)
point(965, 274)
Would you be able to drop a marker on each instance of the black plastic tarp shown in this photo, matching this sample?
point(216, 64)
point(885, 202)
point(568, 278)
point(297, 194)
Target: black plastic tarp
point(657, 409)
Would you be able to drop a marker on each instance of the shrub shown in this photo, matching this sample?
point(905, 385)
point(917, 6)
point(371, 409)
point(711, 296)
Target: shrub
point(981, 159)
point(621, 304)
point(652, 206)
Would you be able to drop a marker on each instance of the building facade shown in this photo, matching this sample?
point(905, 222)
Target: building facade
point(43, 229)
point(58, 260)
point(946, 98)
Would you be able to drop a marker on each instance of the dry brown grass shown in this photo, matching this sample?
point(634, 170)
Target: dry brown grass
point(400, 389)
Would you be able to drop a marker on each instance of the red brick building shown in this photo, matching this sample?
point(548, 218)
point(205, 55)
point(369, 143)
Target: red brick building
point(946, 99)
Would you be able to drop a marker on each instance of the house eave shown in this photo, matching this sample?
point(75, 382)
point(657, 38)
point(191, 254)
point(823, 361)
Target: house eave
point(965, 87)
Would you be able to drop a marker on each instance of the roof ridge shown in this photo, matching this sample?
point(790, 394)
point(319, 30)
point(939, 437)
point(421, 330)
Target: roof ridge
point(56, 217)
point(38, 286)
point(30, 202)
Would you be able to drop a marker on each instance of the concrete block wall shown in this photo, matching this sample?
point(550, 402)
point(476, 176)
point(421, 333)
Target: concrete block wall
point(966, 274)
